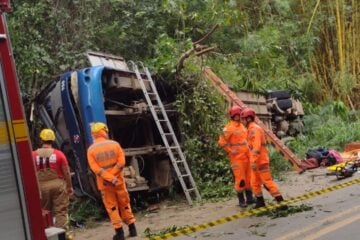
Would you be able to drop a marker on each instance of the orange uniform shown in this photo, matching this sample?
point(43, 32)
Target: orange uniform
point(259, 160)
point(233, 141)
point(106, 159)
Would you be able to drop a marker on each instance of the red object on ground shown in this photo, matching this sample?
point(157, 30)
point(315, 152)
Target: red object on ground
point(352, 146)
point(310, 163)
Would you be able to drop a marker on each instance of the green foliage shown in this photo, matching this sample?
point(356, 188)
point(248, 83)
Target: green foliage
point(86, 210)
point(277, 213)
point(47, 39)
point(310, 88)
point(167, 51)
point(278, 164)
point(217, 190)
point(331, 126)
point(202, 114)
point(50, 38)
point(262, 45)
point(151, 234)
point(267, 44)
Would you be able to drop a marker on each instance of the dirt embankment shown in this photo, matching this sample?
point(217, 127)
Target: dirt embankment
point(169, 214)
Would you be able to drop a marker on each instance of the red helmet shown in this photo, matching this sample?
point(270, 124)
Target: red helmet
point(247, 112)
point(234, 110)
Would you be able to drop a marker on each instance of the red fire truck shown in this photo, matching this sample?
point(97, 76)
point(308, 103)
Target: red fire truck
point(20, 209)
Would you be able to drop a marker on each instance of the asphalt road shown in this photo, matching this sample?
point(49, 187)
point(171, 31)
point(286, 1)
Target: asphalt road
point(335, 215)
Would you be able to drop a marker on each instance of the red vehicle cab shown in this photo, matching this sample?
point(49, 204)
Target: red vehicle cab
point(20, 209)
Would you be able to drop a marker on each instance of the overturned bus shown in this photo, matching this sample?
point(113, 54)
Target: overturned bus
point(107, 92)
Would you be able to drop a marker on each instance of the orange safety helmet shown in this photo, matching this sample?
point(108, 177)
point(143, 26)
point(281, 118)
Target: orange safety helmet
point(234, 110)
point(247, 112)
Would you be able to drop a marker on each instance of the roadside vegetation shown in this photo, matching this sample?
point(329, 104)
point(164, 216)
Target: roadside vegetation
point(151, 234)
point(309, 47)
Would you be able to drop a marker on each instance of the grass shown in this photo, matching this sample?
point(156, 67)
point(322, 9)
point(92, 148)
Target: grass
point(86, 212)
point(151, 234)
point(277, 213)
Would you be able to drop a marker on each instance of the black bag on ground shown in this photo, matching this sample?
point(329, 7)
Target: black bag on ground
point(317, 153)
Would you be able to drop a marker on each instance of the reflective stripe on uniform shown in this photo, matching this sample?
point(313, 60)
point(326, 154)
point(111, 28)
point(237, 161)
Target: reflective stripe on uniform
point(237, 144)
point(262, 168)
point(224, 145)
point(233, 144)
point(101, 172)
point(255, 152)
point(275, 194)
point(99, 144)
point(118, 166)
point(109, 166)
point(235, 166)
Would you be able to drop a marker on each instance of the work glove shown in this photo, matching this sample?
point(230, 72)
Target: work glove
point(115, 181)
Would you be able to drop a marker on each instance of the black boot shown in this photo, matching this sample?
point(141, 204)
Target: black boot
point(132, 230)
point(249, 197)
point(241, 198)
point(279, 199)
point(260, 202)
point(119, 234)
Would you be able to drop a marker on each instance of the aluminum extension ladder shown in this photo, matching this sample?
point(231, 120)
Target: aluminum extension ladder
point(167, 133)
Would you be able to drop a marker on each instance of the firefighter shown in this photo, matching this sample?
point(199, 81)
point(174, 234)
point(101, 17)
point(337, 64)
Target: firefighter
point(54, 178)
point(259, 160)
point(106, 159)
point(233, 141)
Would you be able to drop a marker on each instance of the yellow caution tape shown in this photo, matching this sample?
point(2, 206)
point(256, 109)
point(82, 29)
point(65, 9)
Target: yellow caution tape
point(252, 212)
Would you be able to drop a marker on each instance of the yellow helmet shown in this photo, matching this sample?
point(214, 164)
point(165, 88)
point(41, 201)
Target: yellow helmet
point(96, 127)
point(47, 135)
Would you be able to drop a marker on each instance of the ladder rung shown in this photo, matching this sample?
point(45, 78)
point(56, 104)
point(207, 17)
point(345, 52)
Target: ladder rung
point(160, 117)
point(170, 148)
point(156, 107)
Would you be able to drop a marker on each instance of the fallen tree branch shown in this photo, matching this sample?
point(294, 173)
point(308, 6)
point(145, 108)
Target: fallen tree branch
point(197, 48)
